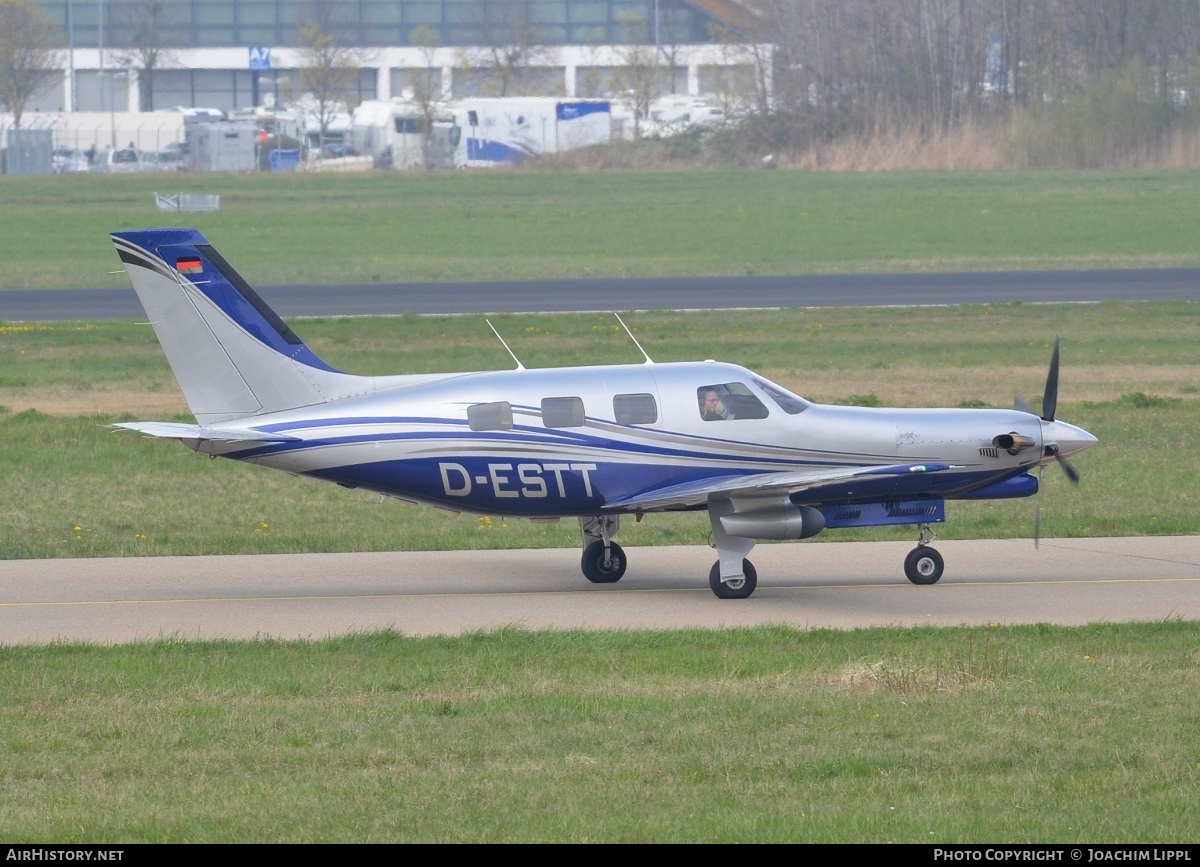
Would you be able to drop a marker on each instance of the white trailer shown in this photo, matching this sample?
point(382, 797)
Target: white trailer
point(393, 132)
point(501, 130)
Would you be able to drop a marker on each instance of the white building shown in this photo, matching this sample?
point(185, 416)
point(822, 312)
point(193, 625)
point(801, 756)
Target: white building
point(238, 55)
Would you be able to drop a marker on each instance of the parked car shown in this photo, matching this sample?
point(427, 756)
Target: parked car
point(121, 160)
point(172, 158)
point(336, 150)
point(67, 161)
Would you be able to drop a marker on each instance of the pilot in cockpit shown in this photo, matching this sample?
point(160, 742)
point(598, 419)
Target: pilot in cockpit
point(711, 408)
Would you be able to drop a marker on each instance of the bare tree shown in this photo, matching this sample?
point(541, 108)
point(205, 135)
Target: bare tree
point(669, 32)
point(426, 85)
point(636, 78)
point(328, 66)
point(30, 42)
point(143, 26)
point(745, 84)
point(854, 65)
point(509, 49)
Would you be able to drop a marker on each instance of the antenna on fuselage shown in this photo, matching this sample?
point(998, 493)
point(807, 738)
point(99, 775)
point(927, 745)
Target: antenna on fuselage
point(520, 366)
point(649, 360)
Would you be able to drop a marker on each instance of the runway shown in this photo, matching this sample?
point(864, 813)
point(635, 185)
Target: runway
point(672, 293)
point(839, 585)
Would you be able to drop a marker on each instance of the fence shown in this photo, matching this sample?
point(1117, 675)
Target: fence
point(149, 132)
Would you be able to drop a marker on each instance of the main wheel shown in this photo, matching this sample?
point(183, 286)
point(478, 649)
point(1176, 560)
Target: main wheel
point(594, 567)
point(739, 588)
point(923, 565)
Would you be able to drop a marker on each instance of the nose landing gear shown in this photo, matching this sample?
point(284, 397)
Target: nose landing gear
point(924, 565)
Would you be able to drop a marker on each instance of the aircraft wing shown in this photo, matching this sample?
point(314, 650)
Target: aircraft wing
point(173, 431)
point(762, 485)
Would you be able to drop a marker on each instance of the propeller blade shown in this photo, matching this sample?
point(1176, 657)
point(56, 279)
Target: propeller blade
point(1072, 473)
point(1022, 405)
point(1037, 515)
point(1052, 451)
point(1050, 397)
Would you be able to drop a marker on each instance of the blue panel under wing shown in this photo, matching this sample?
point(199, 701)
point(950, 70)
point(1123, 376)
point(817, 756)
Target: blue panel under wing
point(1024, 485)
point(925, 511)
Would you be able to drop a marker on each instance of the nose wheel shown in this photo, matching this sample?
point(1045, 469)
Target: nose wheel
point(923, 565)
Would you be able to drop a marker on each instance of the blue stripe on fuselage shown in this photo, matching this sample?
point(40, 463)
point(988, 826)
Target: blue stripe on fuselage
point(649, 445)
point(473, 441)
point(518, 486)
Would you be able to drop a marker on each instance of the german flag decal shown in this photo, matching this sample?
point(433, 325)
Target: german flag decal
point(189, 265)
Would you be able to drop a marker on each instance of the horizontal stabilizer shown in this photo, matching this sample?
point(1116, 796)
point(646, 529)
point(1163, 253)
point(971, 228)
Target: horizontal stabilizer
point(173, 431)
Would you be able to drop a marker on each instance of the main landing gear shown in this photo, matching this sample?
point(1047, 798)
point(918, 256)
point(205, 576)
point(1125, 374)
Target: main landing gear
point(731, 577)
point(924, 565)
point(603, 559)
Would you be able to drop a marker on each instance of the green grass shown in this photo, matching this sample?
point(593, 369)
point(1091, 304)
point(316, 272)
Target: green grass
point(76, 488)
point(67, 470)
point(391, 227)
point(1020, 734)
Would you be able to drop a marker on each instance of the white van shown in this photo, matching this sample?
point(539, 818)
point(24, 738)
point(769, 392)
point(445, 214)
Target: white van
point(115, 161)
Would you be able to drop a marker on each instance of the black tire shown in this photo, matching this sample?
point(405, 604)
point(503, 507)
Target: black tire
point(923, 565)
point(739, 589)
point(593, 563)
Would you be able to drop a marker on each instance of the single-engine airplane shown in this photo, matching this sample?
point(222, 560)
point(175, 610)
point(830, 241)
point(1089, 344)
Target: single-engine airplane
point(593, 443)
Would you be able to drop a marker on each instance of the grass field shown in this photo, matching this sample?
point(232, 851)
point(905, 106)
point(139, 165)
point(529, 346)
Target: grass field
point(76, 488)
point(768, 735)
point(392, 227)
point(1028, 734)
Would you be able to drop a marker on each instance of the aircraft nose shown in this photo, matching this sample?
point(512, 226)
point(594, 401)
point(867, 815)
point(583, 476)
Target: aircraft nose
point(1071, 440)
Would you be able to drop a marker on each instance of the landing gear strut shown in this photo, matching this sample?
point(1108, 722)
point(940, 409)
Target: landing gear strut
point(732, 576)
point(603, 559)
point(924, 565)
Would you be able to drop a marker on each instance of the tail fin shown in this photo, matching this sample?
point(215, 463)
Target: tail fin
point(231, 353)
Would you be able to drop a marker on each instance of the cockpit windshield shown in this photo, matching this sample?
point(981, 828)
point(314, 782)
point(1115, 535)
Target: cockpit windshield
point(788, 402)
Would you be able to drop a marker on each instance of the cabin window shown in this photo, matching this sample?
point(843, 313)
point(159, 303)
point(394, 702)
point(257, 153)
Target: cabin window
point(562, 412)
point(728, 400)
point(787, 401)
point(490, 416)
point(409, 125)
point(635, 409)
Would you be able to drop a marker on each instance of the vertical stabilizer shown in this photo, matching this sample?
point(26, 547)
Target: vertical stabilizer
point(231, 353)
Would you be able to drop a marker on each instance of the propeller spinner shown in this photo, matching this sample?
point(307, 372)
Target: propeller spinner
point(1059, 439)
